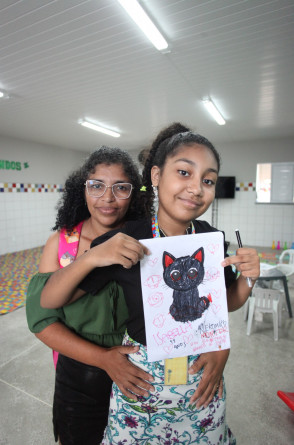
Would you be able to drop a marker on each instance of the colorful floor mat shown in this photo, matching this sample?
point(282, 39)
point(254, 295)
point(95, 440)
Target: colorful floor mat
point(16, 270)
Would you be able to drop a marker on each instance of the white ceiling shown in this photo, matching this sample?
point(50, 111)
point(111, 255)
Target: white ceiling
point(63, 60)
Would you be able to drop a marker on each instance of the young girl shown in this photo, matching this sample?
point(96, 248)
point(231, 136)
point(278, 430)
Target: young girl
point(183, 169)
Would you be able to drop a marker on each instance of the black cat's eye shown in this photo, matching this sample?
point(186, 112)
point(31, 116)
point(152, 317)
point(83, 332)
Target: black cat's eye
point(175, 275)
point(192, 273)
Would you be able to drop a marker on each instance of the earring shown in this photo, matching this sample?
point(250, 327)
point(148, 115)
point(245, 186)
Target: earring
point(155, 191)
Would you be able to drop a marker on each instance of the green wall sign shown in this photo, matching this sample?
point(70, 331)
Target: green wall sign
point(12, 165)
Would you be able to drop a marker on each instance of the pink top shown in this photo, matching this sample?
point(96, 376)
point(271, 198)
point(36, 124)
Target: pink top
point(67, 252)
point(68, 245)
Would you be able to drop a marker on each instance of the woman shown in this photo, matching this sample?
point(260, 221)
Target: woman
point(183, 167)
point(98, 197)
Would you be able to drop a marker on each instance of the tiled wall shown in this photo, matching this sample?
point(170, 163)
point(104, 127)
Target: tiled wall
point(16, 187)
point(27, 214)
point(259, 224)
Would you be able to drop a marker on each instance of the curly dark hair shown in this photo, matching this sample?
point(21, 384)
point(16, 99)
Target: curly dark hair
point(71, 208)
point(166, 144)
point(143, 155)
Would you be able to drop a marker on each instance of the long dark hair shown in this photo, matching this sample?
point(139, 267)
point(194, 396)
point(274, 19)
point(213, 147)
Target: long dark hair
point(166, 144)
point(71, 208)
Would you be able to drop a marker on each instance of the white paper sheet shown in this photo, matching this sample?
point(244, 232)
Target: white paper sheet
point(188, 331)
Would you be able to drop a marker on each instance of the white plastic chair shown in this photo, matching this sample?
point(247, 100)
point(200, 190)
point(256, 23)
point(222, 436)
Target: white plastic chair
point(289, 252)
point(265, 301)
point(286, 269)
point(264, 267)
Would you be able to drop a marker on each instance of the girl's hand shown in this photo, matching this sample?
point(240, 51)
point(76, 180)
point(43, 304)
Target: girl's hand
point(120, 249)
point(213, 364)
point(131, 380)
point(246, 261)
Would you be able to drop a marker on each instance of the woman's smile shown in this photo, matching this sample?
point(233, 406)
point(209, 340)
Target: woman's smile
point(107, 210)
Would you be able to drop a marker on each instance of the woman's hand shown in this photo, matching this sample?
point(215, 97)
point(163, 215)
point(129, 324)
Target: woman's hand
point(131, 380)
point(120, 249)
point(246, 261)
point(213, 364)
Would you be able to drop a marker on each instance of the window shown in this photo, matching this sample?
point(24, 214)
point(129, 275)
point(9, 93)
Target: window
point(275, 183)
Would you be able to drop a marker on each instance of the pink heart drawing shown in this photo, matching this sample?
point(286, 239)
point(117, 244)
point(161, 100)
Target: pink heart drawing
point(152, 262)
point(216, 293)
point(188, 338)
point(159, 320)
point(216, 308)
point(212, 274)
point(153, 281)
point(168, 348)
point(213, 248)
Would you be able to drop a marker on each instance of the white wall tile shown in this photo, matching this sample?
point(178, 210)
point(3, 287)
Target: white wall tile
point(26, 220)
point(259, 224)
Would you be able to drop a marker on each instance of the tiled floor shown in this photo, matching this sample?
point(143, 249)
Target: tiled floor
point(257, 368)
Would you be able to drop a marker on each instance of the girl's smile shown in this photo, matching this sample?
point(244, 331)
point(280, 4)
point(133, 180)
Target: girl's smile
point(190, 203)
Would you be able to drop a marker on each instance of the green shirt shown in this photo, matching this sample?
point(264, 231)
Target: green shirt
point(100, 319)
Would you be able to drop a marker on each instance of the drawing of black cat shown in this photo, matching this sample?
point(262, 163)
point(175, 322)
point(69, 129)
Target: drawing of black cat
point(184, 274)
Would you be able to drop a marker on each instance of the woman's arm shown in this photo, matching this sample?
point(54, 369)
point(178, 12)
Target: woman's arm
point(59, 337)
point(64, 280)
point(62, 287)
point(247, 263)
point(132, 381)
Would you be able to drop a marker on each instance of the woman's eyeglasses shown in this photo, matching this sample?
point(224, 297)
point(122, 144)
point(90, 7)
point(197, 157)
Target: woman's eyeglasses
point(121, 190)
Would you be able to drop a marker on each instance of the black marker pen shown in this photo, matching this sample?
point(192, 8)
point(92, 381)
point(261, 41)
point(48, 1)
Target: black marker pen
point(249, 282)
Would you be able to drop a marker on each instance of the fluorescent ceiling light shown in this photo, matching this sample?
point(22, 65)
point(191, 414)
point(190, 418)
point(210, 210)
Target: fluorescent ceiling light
point(145, 24)
point(213, 111)
point(3, 95)
point(100, 129)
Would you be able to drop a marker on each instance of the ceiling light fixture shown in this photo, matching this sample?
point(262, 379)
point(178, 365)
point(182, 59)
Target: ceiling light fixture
point(3, 95)
point(137, 13)
point(213, 111)
point(98, 128)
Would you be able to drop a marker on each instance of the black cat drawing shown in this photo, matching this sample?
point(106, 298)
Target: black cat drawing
point(184, 274)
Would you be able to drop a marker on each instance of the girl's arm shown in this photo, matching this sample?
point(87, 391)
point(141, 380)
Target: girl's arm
point(132, 381)
point(62, 286)
point(213, 363)
point(247, 263)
